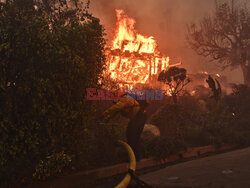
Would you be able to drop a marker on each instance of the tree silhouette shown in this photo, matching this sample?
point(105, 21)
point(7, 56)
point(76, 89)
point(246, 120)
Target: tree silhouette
point(224, 38)
point(176, 79)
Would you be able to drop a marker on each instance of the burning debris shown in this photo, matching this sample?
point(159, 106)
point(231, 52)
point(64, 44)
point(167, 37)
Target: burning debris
point(133, 58)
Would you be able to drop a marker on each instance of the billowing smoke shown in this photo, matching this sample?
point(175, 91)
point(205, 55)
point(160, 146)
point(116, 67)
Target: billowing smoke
point(166, 20)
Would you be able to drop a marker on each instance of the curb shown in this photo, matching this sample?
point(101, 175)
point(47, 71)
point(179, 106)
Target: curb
point(82, 178)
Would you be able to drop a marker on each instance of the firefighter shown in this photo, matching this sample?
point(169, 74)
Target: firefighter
point(135, 110)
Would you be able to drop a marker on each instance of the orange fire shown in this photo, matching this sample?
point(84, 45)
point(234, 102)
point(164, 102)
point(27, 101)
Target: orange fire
point(133, 58)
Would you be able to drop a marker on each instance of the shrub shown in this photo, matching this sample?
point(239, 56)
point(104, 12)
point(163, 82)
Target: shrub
point(51, 165)
point(45, 69)
point(162, 146)
point(191, 125)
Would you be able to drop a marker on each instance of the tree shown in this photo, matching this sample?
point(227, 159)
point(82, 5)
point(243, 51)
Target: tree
point(62, 7)
point(176, 79)
point(224, 38)
point(45, 69)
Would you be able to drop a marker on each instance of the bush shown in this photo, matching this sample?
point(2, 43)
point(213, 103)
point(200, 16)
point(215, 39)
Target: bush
point(238, 107)
point(45, 69)
point(187, 124)
point(51, 165)
point(162, 146)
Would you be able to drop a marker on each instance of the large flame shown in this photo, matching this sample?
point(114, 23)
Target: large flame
point(133, 58)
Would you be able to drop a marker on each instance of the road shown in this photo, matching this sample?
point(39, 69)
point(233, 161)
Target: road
point(231, 169)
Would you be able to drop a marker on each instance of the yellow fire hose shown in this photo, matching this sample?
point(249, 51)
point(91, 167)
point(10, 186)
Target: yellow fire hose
point(132, 165)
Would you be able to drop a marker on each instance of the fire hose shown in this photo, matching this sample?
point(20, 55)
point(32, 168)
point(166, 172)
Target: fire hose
point(131, 171)
point(132, 166)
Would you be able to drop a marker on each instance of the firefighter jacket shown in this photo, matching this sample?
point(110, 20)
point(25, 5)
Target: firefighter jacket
point(127, 106)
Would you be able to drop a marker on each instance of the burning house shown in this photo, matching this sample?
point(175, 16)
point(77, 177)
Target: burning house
point(132, 58)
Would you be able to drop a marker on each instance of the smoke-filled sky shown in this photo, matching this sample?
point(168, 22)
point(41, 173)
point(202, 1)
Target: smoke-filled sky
point(166, 20)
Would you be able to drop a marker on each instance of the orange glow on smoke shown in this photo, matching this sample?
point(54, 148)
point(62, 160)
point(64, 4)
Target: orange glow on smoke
point(133, 58)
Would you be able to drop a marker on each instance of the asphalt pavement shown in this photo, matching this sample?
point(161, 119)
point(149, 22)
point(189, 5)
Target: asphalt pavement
point(227, 170)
